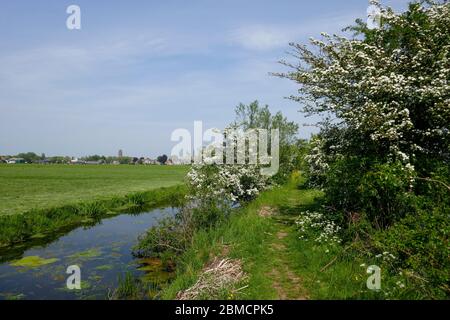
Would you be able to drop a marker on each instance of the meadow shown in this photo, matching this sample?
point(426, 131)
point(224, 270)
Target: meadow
point(28, 186)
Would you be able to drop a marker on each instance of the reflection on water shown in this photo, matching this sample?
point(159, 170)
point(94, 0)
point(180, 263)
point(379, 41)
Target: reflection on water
point(37, 270)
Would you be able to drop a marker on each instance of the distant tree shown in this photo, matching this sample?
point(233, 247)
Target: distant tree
point(125, 160)
point(59, 159)
point(28, 157)
point(94, 157)
point(162, 159)
point(254, 116)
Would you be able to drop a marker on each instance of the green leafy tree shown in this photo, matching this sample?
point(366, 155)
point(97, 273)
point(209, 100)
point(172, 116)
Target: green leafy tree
point(384, 93)
point(162, 159)
point(254, 116)
point(387, 88)
point(28, 156)
point(94, 157)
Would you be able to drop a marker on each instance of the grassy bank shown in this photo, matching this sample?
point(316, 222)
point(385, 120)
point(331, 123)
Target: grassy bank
point(254, 239)
point(28, 187)
point(42, 223)
point(278, 264)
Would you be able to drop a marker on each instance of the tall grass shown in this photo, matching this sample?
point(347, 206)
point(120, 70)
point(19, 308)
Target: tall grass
point(21, 227)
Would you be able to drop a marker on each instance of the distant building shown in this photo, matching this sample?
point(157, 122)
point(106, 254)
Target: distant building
point(186, 159)
point(120, 154)
point(43, 161)
point(149, 161)
point(76, 161)
point(175, 160)
point(94, 162)
point(15, 160)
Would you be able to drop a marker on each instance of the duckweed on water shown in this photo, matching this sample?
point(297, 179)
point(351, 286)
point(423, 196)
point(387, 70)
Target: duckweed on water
point(88, 254)
point(95, 277)
point(104, 267)
point(85, 285)
point(12, 296)
point(32, 262)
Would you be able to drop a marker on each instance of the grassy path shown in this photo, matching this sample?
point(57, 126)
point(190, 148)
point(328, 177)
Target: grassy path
point(302, 269)
point(263, 237)
point(278, 265)
point(286, 282)
point(285, 278)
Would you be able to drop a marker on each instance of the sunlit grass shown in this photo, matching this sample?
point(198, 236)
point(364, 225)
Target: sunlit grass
point(28, 186)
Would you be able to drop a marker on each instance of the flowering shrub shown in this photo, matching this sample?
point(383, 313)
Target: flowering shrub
point(317, 161)
point(315, 225)
point(213, 190)
point(234, 183)
point(391, 87)
point(385, 97)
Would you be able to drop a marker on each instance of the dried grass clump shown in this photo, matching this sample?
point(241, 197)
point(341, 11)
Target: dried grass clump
point(220, 274)
point(266, 211)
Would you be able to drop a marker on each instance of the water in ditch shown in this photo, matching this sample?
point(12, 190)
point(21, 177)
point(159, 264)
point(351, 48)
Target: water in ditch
point(38, 270)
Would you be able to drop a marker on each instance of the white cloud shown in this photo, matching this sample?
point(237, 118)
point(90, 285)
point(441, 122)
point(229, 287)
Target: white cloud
point(268, 37)
point(260, 37)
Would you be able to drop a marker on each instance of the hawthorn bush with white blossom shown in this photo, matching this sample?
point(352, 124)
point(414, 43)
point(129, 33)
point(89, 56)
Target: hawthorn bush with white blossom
point(382, 156)
point(213, 190)
point(385, 93)
point(392, 87)
point(234, 183)
point(243, 182)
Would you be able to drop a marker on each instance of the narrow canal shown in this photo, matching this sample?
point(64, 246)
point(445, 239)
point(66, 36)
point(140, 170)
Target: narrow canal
point(37, 270)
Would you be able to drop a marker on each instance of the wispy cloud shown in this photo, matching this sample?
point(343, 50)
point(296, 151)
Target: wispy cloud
point(259, 37)
point(264, 37)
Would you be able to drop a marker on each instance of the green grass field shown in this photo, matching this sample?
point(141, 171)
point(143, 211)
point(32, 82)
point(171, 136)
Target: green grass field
point(26, 187)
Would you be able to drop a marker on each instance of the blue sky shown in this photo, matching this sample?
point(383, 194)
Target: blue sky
point(137, 70)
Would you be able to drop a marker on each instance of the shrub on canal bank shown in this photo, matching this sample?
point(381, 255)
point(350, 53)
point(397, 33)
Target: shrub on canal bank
point(213, 191)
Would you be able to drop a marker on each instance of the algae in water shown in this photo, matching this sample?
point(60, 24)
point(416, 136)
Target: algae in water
point(32, 262)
